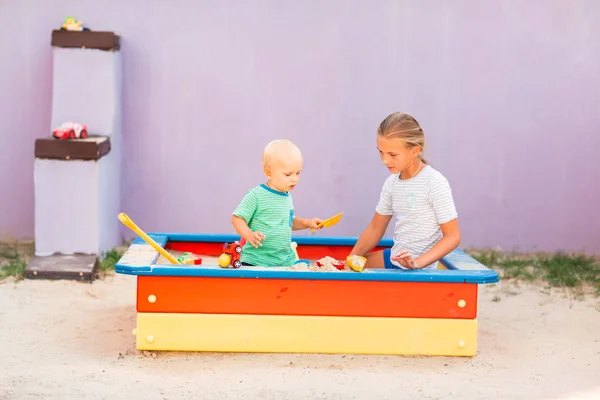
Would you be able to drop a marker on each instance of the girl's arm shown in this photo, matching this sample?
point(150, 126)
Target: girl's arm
point(440, 197)
point(449, 241)
point(371, 235)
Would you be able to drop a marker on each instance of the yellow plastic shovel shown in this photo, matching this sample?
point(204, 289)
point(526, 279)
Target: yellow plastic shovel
point(131, 225)
point(329, 222)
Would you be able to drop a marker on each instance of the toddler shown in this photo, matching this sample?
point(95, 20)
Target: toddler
point(265, 216)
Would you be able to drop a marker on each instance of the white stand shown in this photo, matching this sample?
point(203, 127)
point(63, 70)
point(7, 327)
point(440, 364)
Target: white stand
point(77, 200)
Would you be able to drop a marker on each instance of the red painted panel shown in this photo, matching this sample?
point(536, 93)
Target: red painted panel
point(306, 297)
point(200, 248)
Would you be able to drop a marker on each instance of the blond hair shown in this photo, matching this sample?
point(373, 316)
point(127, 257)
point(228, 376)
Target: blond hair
point(278, 150)
point(403, 127)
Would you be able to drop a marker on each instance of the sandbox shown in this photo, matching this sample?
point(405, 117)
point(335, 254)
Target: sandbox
point(277, 309)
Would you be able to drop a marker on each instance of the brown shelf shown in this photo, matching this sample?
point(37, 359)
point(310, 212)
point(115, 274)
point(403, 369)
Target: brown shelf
point(90, 148)
point(108, 41)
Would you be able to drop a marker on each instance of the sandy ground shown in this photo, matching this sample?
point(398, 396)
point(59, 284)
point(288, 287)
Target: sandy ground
point(72, 340)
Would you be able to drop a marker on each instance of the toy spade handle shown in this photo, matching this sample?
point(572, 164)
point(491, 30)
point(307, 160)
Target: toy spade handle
point(131, 225)
point(124, 218)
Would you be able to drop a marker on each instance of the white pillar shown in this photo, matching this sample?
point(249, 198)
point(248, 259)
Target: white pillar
point(77, 200)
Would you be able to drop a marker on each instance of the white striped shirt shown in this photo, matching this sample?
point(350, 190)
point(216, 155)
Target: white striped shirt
point(420, 204)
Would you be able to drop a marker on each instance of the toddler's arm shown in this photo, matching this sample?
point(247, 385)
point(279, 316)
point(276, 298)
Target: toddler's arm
point(241, 227)
point(371, 235)
point(303, 223)
point(245, 212)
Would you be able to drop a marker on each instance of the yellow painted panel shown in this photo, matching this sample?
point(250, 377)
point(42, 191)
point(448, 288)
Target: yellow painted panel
point(306, 334)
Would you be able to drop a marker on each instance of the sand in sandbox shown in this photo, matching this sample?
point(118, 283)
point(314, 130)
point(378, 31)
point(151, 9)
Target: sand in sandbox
point(212, 261)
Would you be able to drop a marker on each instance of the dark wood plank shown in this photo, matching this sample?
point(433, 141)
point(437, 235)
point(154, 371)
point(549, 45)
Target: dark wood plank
point(101, 40)
point(91, 148)
point(81, 267)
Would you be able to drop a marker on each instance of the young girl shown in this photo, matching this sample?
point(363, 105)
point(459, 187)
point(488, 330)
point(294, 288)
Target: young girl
point(417, 195)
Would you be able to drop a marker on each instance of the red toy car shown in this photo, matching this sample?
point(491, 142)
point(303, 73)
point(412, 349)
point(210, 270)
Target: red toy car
point(70, 130)
point(232, 252)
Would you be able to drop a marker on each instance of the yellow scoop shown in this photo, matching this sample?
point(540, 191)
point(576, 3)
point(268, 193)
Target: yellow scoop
point(357, 263)
point(131, 225)
point(329, 222)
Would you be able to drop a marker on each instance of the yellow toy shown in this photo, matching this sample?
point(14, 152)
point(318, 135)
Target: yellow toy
point(224, 260)
point(357, 263)
point(329, 222)
point(71, 24)
point(131, 225)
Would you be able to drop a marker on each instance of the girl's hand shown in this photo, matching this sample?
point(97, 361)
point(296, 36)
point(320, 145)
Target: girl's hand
point(313, 223)
point(254, 238)
point(406, 260)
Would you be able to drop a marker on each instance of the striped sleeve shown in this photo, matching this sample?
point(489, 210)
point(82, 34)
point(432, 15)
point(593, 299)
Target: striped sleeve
point(247, 207)
point(384, 207)
point(440, 197)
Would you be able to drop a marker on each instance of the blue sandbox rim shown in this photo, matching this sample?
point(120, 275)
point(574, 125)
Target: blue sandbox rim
point(476, 272)
point(222, 238)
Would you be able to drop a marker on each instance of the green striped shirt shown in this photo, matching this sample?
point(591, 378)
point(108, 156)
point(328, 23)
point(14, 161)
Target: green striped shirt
point(270, 212)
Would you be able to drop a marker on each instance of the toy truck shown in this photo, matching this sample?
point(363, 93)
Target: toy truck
point(232, 252)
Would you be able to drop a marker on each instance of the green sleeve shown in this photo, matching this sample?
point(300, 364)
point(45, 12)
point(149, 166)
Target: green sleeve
point(247, 207)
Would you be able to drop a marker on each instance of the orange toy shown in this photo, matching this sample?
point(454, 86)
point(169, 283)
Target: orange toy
point(189, 258)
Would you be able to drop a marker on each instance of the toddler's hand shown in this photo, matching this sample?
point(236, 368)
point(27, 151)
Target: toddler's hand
point(406, 260)
point(254, 238)
point(313, 223)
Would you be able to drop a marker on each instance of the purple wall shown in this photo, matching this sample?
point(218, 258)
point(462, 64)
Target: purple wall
point(507, 93)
